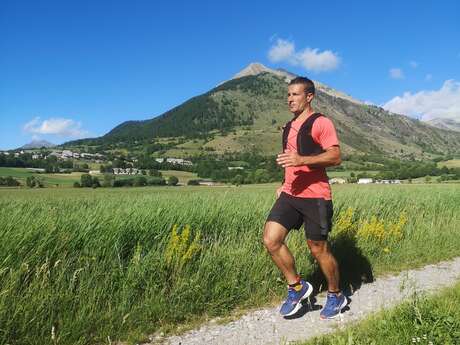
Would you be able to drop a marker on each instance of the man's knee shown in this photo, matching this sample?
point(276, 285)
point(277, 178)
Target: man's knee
point(273, 237)
point(318, 248)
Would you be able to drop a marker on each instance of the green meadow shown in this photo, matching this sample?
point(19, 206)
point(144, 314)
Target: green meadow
point(81, 266)
point(67, 180)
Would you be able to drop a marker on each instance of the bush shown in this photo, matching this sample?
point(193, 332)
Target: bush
point(128, 182)
point(76, 185)
point(86, 180)
point(156, 181)
point(193, 182)
point(173, 181)
point(139, 181)
point(108, 180)
point(33, 181)
point(9, 181)
point(96, 183)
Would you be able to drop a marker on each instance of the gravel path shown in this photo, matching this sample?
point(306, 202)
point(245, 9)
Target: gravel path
point(266, 326)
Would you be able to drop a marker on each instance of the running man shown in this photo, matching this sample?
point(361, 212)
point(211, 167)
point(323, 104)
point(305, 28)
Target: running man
point(310, 145)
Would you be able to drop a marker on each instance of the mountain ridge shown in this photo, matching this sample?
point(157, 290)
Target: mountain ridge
point(36, 144)
point(253, 103)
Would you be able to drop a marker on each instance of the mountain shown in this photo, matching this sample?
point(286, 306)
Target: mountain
point(449, 124)
point(247, 112)
point(257, 68)
point(36, 144)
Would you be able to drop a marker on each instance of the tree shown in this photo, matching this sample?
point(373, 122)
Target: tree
point(30, 181)
point(156, 181)
point(86, 180)
point(173, 180)
point(95, 182)
point(108, 180)
point(139, 181)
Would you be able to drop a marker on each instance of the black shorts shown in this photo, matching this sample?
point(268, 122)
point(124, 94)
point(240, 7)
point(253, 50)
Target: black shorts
point(315, 213)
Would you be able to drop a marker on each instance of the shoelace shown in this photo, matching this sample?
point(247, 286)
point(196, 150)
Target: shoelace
point(331, 302)
point(292, 295)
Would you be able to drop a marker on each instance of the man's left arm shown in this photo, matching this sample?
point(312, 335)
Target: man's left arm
point(330, 157)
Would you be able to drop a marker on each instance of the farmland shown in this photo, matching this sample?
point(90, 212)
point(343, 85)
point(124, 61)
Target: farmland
point(67, 180)
point(91, 264)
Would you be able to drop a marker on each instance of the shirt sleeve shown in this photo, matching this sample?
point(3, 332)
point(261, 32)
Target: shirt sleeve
point(323, 132)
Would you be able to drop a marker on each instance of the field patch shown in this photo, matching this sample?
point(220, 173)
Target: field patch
point(115, 262)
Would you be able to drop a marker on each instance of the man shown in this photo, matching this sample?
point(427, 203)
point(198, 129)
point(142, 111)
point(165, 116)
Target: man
point(310, 145)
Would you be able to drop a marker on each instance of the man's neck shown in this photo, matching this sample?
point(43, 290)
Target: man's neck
point(305, 114)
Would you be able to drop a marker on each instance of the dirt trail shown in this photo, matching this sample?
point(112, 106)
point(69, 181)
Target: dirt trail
point(266, 326)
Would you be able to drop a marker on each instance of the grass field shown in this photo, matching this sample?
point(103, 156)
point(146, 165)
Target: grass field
point(453, 163)
point(92, 264)
point(50, 180)
point(422, 320)
point(67, 180)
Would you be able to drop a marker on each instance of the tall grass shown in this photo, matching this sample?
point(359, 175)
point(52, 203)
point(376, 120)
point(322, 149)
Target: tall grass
point(87, 265)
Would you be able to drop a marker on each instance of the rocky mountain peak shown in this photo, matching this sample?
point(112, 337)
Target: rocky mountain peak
point(256, 68)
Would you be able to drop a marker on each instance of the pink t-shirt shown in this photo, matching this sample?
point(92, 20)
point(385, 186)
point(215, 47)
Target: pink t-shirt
point(302, 181)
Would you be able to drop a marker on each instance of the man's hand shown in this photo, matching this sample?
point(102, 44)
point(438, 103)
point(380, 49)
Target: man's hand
point(289, 159)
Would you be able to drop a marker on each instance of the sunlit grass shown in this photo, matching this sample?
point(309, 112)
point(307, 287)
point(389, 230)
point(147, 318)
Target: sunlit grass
point(126, 262)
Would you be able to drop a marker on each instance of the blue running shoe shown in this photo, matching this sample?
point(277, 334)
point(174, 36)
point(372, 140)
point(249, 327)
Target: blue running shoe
point(295, 296)
point(334, 304)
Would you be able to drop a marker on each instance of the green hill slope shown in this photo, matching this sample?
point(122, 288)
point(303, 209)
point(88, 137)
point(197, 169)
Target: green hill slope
point(247, 114)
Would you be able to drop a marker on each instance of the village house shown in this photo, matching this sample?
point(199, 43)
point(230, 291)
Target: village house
point(178, 161)
point(127, 171)
point(365, 180)
point(337, 180)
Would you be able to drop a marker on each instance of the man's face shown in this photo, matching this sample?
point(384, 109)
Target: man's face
point(298, 100)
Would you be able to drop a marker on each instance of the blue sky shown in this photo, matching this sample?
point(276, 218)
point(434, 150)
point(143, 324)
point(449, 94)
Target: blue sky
point(74, 69)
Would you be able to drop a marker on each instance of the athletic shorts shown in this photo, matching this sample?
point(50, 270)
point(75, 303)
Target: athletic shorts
point(315, 213)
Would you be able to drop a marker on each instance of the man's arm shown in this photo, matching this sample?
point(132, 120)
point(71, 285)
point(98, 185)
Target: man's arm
point(330, 157)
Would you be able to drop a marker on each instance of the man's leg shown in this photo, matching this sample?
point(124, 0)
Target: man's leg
point(327, 262)
point(335, 300)
point(274, 236)
point(298, 289)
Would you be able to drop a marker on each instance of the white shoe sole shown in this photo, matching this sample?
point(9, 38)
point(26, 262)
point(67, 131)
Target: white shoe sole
point(299, 305)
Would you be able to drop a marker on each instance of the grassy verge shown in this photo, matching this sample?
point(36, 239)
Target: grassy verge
point(422, 320)
point(91, 264)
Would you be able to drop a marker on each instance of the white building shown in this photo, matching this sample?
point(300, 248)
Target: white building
point(365, 181)
point(178, 161)
point(337, 180)
point(127, 171)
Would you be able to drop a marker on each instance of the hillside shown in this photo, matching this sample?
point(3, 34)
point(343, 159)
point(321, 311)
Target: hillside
point(247, 113)
point(449, 124)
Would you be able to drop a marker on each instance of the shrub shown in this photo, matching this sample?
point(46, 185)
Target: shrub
point(173, 180)
point(156, 181)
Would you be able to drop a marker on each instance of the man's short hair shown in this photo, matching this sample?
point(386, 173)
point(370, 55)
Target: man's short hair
point(307, 83)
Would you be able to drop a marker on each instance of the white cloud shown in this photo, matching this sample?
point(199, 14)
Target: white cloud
point(428, 77)
point(429, 104)
point(413, 64)
point(310, 59)
point(396, 73)
point(282, 50)
point(57, 126)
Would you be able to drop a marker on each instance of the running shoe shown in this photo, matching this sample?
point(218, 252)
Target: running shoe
point(295, 296)
point(334, 304)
